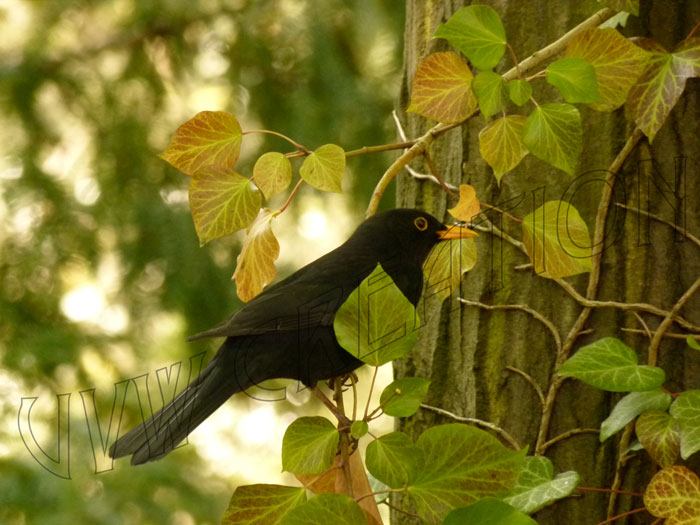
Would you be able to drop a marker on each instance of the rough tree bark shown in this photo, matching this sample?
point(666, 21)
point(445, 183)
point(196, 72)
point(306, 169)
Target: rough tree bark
point(465, 350)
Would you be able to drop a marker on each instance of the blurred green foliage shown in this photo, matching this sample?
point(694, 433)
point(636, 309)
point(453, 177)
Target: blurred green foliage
point(90, 92)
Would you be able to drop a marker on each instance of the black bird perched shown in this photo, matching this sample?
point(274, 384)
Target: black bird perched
point(287, 330)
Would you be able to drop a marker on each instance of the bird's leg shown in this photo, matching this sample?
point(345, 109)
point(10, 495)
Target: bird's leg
point(340, 416)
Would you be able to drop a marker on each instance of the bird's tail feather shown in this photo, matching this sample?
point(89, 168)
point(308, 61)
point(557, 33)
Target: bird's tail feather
point(163, 432)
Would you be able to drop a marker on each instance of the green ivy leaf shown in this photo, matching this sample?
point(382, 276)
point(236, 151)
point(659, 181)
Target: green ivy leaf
point(659, 434)
point(442, 88)
point(501, 144)
point(553, 133)
point(403, 397)
point(537, 487)
point(394, 459)
point(575, 79)
point(519, 91)
point(272, 173)
point(457, 461)
point(630, 407)
point(490, 91)
point(309, 445)
point(324, 168)
point(359, 429)
point(222, 202)
point(618, 63)
point(609, 364)
point(262, 504)
point(210, 138)
point(686, 410)
point(376, 322)
point(477, 31)
point(692, 343)
point(488, 511)
point(557, 241)
point(323, 509)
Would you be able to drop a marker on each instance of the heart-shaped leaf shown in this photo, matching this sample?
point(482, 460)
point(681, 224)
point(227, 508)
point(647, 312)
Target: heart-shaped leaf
point(272, 173)
point(477, 31)
point(324, 168)
point(686, 410)
point(403, 397)
point(442, 88)
point(210, 138)
point(490, 91)
point(222, 202)
point(609, 364)
point(659, 434)
point(537, 487)
point(261, 504)
point(553, 133)
point(309, 445)
point(630, 407)
point(394, 459)
point(674, 493)
point(575, 79)
point(501, 144)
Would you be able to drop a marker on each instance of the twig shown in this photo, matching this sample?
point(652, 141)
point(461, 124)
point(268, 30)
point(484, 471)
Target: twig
point(534, 313)
point(386, 502)
point(623, 445)
point(623, 492)
point(591, 291)
point(433, 169)
point(671, 335)
point(426, 176)
point(366, 150)
point(294, 143)
point(689, 236)
point(291, 196)
point(623, 515)
point(643, 323)
point(568, 434)
point(479, 422)
point(369, 394)
point(342, 419)
point(530, 380)
point(658, 334)
point(344, 437)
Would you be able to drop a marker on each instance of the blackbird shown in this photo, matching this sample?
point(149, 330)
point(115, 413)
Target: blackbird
point(287, 330)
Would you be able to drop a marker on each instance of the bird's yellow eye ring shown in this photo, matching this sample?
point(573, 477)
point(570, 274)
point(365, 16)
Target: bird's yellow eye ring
point(421, 223)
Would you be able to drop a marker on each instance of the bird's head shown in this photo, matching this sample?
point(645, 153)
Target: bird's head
point(409, 233)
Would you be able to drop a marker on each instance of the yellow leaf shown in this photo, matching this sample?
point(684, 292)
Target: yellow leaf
point(468, 205)
point(324, 168)
point(445, 265)
point(501, 144)
point(674, 493)
point(255, 266)
point(442, 88)
point(222, 202)
point(210, 138)
point(272, 173)
point(557, 241)
point(618, 63)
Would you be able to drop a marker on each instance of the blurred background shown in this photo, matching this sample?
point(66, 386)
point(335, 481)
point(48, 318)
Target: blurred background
point(101, 273)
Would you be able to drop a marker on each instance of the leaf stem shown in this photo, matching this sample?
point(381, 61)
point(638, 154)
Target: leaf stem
point(623, 492)
point(280, 135)
point(623, 515)
point(693, 31)
point(366, 150)
point(291, 196)
point(369, 394)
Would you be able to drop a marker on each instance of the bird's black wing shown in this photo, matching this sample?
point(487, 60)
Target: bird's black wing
point(306, 299)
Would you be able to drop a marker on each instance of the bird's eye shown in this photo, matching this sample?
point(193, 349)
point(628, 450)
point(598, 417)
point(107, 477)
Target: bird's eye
point(421, 223)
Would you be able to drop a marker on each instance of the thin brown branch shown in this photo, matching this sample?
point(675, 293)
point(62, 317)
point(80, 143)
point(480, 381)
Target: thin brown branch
point(291, 196)
point(294, 143)
point(344, 436)
point(534, 313)
point(671, 335)
point(530, 380)
point(369, 394)
point(591, 291)
point(434, 170)
point(680, 230)
point(623, 492)
point(623, 515)
point(622, 446)
point(386, 502)
point(658, 334)
point(366, 150)
point(568, 434)
point(479, 422)
point(643, 323)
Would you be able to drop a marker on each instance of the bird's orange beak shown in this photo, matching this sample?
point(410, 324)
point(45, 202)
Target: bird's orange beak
point(456, 232)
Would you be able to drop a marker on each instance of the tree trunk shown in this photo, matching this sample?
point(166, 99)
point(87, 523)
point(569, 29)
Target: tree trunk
point(465, 350)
